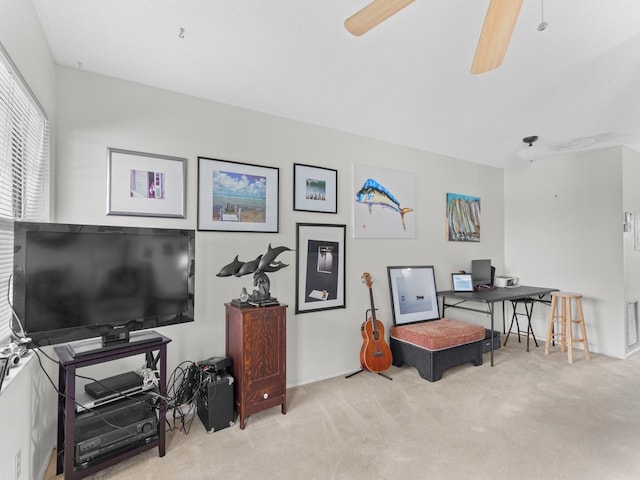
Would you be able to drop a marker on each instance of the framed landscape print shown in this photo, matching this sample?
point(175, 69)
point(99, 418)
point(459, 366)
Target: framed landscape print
point(145, 184)
point(315, 189)
point(237, 197)
point(320, 274)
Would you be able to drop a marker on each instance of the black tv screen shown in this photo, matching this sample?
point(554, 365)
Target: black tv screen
point(73, 282)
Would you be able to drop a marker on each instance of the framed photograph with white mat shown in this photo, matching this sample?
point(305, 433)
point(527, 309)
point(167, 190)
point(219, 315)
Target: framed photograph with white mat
point(413, 294)
point(320, 260)
point(315, 189)
point(145, 184)
point(237, 197)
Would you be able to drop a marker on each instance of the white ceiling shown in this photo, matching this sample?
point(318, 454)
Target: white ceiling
point(576, 84)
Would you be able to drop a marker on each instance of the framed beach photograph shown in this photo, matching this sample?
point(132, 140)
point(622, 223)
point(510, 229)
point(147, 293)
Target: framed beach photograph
point(413, 294)
point(315, 189)
point(237, 197)
point(145, 184)
point(320, 260)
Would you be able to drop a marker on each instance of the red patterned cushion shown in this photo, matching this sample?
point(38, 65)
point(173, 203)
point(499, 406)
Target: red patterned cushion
point(438, 334)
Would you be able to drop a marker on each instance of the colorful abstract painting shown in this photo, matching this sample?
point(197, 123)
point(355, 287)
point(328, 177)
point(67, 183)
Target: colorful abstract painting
point(463, 218)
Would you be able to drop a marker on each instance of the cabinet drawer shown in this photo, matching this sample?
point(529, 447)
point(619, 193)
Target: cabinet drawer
point(263, 393)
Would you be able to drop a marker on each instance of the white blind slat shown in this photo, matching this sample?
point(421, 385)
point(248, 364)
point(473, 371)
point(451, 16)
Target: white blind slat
point(24, 170)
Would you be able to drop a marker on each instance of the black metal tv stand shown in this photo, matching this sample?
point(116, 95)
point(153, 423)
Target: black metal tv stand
point(156, 358)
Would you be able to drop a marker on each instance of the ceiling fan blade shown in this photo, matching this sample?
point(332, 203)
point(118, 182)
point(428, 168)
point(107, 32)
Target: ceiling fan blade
point(373, 14)
point(496, 32)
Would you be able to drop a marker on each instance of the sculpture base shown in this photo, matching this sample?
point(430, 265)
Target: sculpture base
point(236, 302)
point(269, 302)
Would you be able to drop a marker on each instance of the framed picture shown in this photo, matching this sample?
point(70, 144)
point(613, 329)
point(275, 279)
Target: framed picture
point(461, 282)
point(384, 203)
point(144, 184)
point(463, 218)
point(315, 189)
point(320, 274)
point(413, 294)
point(237, 197)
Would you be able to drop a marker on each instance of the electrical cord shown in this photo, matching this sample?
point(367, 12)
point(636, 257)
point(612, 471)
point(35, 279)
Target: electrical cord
point(184, 385)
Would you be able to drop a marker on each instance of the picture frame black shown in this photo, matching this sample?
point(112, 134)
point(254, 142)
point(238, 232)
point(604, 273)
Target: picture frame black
point(315, 189)
point(237, 197)
point(320, 267)
point(413, 294)
point(145, 184)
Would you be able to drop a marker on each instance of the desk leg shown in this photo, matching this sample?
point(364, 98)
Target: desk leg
point(491, 309)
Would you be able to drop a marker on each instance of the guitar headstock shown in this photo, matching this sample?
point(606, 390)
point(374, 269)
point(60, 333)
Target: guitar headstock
point(367, 279)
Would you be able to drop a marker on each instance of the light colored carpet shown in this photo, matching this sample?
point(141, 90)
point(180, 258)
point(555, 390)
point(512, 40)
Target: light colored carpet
point(529, 417)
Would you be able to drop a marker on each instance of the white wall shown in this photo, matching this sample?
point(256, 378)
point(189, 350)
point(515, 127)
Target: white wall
point(563, 229)
point(631, 239)
point(96, 112)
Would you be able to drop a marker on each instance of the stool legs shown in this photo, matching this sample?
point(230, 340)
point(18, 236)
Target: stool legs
point(528, 308)
point(565, 322)
point(583, 329)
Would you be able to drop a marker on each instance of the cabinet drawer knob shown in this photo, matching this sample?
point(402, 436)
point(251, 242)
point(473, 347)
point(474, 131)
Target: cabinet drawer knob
point(265, 396)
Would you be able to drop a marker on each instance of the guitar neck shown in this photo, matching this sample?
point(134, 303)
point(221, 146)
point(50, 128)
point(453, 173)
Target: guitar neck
point(373, 310)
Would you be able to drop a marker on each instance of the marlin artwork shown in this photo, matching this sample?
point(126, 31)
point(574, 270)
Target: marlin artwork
point(372, 193)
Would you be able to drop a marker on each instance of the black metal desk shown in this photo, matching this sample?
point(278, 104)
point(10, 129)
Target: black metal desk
point(451, 299)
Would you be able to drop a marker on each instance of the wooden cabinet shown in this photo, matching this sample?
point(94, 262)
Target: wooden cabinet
point(256, 344)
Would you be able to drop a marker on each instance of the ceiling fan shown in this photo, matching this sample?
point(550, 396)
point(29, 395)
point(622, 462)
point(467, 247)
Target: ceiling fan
point(499, 23)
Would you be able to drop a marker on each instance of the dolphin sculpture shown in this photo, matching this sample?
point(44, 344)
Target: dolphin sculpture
point(230, 268)
point(269, 257)
point(249, 267)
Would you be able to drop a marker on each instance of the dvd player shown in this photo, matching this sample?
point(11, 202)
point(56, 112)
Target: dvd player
point(117, 383)
point(85, 401)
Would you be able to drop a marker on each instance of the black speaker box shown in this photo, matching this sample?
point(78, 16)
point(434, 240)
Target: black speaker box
point(215, 402)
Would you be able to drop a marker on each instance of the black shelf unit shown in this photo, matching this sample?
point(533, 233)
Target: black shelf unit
point(156, 358)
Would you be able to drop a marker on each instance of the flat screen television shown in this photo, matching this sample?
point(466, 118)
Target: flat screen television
point(73, 282)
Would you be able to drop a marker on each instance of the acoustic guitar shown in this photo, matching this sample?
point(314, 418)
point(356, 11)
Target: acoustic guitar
point(375, 354)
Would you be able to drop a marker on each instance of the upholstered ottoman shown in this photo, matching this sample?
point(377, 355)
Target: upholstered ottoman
point(433, 346)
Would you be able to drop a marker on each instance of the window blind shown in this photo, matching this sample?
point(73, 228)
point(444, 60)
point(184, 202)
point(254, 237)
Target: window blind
point(24, 171)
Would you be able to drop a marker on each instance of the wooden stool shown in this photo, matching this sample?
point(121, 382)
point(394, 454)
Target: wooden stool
point(565, 321)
